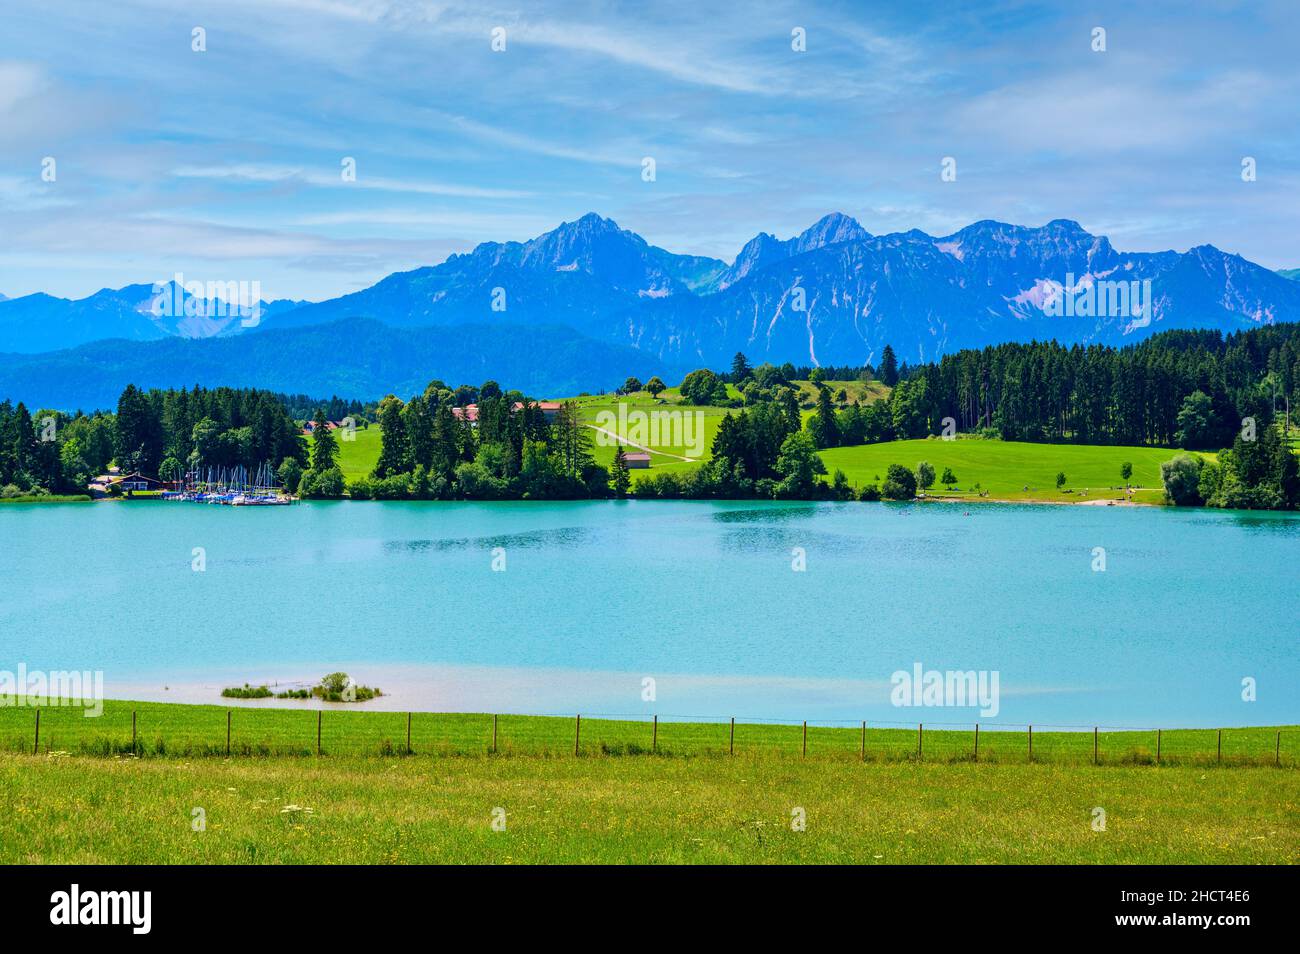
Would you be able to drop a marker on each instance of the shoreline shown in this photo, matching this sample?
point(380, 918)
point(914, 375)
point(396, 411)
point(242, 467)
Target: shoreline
point(929, 498)
point(1096, 502)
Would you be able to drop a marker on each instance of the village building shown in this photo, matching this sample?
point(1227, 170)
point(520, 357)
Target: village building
point(137, 482)
point(310, 426)
point(470, 411)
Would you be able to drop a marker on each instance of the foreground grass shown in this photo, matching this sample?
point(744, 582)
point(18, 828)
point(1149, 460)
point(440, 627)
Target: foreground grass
point(91, 795)
point(1006, 468)
point(637, 810)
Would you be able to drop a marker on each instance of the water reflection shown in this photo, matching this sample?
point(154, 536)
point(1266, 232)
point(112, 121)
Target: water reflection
point(532, 539)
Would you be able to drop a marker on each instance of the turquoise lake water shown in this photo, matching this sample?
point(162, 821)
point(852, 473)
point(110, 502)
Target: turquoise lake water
point(597, 598)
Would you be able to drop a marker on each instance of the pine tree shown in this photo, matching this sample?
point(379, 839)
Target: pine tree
point(571, 441)
point(621, 480)
point(419, 431)
point(446, 453)
point(888, 370)
point(139, 437)
point(824, 427)
point(324, 448)
point(394, 446)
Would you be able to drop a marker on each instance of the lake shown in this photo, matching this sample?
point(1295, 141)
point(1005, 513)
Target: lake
point(700, 598)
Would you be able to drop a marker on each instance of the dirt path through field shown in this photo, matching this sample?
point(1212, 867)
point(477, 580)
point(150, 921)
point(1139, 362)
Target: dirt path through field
point(648, 450)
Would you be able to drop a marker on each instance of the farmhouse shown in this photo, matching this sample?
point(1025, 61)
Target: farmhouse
point(310, 426)
point(636, 460)
point(470, 411)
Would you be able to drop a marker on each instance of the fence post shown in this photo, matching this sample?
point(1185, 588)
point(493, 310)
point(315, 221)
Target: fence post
point(864, 741)
point(36, 742)
point(1219, 756)
point(408, 733)
point(654, 737)
point(805, 738)
point(577, 733)
point(494, 734)
point(977, 741)
point(1031, 743)
point(919, 729)
point(1277, 749)
point(733, 735)
point(227, 733)
point(1157, 746)
point(320, 713)
point(1094, 745)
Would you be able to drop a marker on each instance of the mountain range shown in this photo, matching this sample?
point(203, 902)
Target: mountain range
point(589, 302)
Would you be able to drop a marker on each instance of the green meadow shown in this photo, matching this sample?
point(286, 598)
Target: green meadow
point(667, 451)
point(1006, 468)
point(90, 796)
point(864, 392)
point(357, 458)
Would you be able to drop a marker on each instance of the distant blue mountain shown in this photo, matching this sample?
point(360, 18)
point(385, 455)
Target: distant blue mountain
point(580, 274)
point(41, 322)
point(764, 249)
point(927, 296)
point(357, 357)
point(833, 295)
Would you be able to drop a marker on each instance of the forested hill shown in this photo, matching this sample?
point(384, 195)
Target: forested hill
point(1187, 388)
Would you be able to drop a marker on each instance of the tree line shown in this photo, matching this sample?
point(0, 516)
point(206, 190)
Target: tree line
point(1189, 389)
point(434, 448)
point(157, 433)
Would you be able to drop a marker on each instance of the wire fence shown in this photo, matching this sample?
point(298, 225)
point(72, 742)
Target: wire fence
point(160, 730)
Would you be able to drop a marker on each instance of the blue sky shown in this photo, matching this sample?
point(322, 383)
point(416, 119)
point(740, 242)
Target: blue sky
point(225, 164)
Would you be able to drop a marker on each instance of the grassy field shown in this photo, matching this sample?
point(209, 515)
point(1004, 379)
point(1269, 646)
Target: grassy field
point(1006, 468)
point(619, 803)
point(864, 392)
point(357, 458)
point(666, 453)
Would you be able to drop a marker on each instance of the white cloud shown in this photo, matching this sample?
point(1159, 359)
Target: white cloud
point(250, 172)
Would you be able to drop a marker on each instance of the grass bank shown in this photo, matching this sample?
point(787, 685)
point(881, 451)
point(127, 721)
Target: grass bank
point(159, 729)
point(46, 498)
point(89, 796)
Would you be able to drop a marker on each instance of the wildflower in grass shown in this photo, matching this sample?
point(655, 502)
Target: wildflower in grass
point(296, 813)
